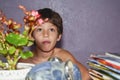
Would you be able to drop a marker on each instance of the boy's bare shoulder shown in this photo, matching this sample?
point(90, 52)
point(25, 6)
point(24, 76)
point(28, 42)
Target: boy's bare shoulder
point(63, 54)
point(61, 51)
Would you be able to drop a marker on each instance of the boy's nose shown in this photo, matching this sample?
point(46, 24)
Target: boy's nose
point(45, 34)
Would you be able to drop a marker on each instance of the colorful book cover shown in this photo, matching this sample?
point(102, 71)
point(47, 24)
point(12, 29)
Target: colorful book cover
point(104, 66)
point(105, 71)
point(106, 60)
point(99, 75)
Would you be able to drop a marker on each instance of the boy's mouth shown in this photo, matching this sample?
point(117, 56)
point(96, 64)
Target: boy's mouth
point(46, 42)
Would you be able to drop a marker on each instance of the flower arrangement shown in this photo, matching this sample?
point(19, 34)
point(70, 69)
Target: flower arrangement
point(13, 41)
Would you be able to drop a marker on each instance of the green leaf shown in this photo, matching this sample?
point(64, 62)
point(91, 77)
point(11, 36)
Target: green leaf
point(30, 43)
point(11, 50)
point(16, 39)
point(2, 64)
point(25, 33)
point(4, 51)
point(26, 54)
point(1, 46)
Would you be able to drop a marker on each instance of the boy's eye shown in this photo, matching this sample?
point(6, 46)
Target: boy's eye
point(39, 29)
point(53, 30)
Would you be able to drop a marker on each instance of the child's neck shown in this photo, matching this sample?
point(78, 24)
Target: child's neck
point(38, 54)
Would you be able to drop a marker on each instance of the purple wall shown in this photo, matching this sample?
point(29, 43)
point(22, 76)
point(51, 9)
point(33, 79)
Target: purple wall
point(89, 25)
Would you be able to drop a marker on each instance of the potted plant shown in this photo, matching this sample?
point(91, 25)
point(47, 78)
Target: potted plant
point(14, 40)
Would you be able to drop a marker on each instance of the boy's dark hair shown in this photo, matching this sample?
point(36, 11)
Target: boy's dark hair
point(53, 17)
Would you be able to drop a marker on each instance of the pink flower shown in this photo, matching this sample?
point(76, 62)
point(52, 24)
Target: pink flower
point(35, 13)
point(40, 21)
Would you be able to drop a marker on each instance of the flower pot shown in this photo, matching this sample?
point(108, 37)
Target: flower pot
point(19, 74)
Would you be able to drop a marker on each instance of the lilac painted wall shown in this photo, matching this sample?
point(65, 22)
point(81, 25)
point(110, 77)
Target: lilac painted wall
point(89, 25)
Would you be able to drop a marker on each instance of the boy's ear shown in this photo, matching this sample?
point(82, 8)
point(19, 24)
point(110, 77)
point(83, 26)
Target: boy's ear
point(59, 37)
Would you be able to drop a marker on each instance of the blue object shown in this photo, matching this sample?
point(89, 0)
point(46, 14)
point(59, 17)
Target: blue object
point(53, 70)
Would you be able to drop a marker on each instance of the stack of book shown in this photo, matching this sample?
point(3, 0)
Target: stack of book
point(104, 67)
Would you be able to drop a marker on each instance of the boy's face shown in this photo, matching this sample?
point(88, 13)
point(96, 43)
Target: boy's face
point(46, 36)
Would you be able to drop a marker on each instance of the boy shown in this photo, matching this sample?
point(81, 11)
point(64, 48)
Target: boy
point(46, 35)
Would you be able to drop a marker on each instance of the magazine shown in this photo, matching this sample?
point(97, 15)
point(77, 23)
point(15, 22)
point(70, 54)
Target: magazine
point(107, 60)
point(115, 55)
point(103, 70)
